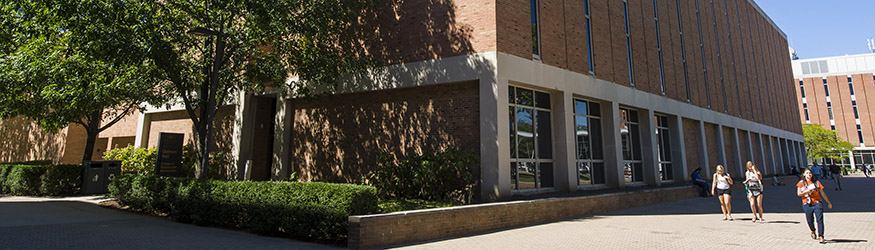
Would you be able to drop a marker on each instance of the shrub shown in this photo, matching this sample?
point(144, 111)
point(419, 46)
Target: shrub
point(297, 209)
point(142, 161)
point(430, 176)
point(61, 180)
point(134, 160)
point(40, 179)
point(24, 179)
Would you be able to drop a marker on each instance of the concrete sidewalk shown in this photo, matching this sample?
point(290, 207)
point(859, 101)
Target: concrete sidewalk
point(77, 223)
point(697, 224)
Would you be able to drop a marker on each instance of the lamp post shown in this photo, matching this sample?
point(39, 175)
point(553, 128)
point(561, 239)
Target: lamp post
point(208, 112)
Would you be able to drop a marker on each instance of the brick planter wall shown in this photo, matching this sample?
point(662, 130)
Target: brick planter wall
point(370, 231)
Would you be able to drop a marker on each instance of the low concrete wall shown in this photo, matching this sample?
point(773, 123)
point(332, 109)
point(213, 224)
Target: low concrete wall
point(379, 230)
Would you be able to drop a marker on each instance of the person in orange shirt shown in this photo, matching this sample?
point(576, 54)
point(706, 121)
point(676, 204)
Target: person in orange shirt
point(811, 192)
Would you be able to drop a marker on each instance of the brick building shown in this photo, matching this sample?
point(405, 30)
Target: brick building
point(838, 93)
point(554, 95)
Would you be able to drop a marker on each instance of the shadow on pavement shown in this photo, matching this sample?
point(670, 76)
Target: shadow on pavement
point(845, 241)
point(854, 198)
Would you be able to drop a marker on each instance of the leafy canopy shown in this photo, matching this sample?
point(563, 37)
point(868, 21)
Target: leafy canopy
point(824, 143)
point(64, 61)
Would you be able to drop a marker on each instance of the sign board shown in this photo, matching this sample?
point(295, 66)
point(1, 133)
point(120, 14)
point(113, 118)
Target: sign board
point(169, 158)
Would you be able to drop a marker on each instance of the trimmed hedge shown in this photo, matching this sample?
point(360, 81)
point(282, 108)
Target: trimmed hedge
point(40, 180)
point(302, 210)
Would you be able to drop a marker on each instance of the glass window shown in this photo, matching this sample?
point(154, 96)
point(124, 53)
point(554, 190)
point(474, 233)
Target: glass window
point(588, 139)
point(530, 138)
point(659, 49)
point(683, 49)
point(663, 148)
point(825, 88)
point(536, 42)
point(631, 142)
point(588, 20)
point(629, 44)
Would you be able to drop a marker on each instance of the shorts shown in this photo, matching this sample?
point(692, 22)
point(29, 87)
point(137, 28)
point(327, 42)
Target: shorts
point(754, 192)
point(724, 191)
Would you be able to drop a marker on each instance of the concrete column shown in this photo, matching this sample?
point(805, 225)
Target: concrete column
point(738, 161)
point(791, 147)
point(564, 137)
point(612, 145)
point(749, 144)
point(494, 138)
point(779, 161)
point(721, 149)
point(761, 145)
point(804, 154)
point(244, 119)
point(649, 152)
point(787, 161)
point(678, 149)
point(281, 161)
point(144, 125)
point(770, 163)
point(703, 149)
point(853, 161)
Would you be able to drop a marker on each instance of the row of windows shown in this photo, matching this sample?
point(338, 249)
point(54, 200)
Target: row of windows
point(829, 105)
point(529, 115)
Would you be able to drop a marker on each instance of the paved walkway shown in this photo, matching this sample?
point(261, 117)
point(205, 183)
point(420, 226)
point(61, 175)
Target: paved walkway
point(76, 223)
point(697, 224)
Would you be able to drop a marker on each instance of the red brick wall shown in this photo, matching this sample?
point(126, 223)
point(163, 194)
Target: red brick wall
point(691, 143)
point(410, 31)
point(729, 148)
point(337, 138)
point(711, 142)
point(865, 92)
point(756, 47)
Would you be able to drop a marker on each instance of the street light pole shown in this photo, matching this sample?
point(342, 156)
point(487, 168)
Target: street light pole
point(209, 111)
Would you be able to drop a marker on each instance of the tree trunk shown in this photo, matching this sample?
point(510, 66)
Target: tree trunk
point(92, 128)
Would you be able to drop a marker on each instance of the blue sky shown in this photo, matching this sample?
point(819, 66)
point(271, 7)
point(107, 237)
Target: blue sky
point(824, 28)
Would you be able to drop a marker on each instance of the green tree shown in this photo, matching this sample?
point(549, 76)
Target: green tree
point(247, 44)
point(824, 143)
point(75, 61)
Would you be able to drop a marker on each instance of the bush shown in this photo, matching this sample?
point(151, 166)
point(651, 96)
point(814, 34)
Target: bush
point(142, 161)
point(134, 160)
point(296, 209)
point(61, 180)
point(430, 176)
point(40, 179)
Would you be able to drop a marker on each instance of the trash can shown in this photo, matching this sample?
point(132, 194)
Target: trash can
point(97, 175)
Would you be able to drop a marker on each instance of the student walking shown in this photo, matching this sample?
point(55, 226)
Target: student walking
point(811, 192)
point(754, 185)
point(722, 182)
point(836, 172)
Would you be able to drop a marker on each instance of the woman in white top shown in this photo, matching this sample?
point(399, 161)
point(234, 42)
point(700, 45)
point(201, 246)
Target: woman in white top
point(753, 183)
point(722, 182)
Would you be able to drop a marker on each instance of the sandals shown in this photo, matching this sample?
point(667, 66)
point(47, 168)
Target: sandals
point(822, 241)
point(813, 236)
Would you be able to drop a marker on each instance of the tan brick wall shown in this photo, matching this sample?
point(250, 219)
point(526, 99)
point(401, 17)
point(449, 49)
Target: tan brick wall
point(373, 231)
point(513, 30)
point(21, 139)
point(337, 138)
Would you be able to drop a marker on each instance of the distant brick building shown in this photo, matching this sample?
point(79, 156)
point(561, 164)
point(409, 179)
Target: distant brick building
point(554, 95)
point(839, 93)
